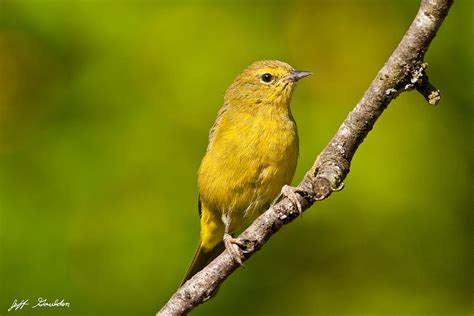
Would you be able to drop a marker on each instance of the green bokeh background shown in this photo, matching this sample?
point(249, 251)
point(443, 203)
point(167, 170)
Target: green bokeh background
point(105, 108)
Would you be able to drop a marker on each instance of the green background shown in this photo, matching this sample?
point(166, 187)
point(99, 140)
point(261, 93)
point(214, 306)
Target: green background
point(105, 108)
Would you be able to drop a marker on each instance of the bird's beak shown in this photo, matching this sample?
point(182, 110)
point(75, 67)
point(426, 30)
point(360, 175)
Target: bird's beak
point(297, 75)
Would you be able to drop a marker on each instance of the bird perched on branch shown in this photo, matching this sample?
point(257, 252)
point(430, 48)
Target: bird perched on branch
point(252, 154)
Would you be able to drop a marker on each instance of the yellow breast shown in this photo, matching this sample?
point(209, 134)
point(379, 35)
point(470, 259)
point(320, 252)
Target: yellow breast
point(251, 156)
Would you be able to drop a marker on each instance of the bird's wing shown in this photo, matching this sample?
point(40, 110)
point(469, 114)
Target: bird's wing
point(199, 205)
point(212, 132)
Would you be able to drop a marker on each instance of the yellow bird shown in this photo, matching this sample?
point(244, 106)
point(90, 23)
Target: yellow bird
point(252, 154)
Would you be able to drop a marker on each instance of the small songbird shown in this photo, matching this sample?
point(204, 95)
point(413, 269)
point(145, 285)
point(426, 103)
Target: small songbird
point(252, 154)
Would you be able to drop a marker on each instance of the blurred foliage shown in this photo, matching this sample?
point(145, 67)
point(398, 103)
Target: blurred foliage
point(105, 108)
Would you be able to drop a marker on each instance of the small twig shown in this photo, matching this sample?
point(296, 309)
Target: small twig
point(404, 71)
point(430, 92)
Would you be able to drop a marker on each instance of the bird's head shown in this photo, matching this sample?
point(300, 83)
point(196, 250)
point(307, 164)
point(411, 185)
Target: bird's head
point(269, 82)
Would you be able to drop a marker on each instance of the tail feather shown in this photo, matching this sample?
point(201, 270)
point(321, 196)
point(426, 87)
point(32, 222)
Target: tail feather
point(202, 259)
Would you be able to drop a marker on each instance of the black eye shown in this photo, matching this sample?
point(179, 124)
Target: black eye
point(266, 77)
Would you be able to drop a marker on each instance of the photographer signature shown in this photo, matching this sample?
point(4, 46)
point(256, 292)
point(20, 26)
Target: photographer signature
point(42, 302)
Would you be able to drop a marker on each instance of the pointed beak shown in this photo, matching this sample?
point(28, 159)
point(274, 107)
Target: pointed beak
point(297, 75)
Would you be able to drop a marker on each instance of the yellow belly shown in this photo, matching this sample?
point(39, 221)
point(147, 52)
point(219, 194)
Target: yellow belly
point(250, 159)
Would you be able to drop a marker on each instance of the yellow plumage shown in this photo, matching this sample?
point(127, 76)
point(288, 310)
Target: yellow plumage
point(252, 153)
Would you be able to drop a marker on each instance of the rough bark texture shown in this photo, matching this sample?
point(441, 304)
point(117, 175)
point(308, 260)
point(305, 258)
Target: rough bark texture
point(404, 71)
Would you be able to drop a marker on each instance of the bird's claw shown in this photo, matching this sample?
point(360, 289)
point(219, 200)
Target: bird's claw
point(339, 188)
point(234, 248)
point(292, 194)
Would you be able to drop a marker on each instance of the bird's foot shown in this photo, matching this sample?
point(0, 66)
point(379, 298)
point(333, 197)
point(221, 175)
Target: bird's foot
point(292, 194)
point(234, 248)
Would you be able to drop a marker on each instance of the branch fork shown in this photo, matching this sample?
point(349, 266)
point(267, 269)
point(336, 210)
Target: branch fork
point(419, 81)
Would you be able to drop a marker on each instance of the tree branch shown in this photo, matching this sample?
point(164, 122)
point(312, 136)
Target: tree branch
point(404, 71)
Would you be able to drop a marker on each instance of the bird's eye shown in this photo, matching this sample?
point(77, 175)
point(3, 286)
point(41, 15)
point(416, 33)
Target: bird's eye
point(266, 77)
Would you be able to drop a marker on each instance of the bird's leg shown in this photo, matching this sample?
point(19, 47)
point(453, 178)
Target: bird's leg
point(292, 194)
point(232, 245)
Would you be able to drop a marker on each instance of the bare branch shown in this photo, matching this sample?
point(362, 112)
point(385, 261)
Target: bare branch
point(404, 71)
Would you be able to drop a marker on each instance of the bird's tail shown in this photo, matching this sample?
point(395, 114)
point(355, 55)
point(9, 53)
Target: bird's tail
point(202, 257)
